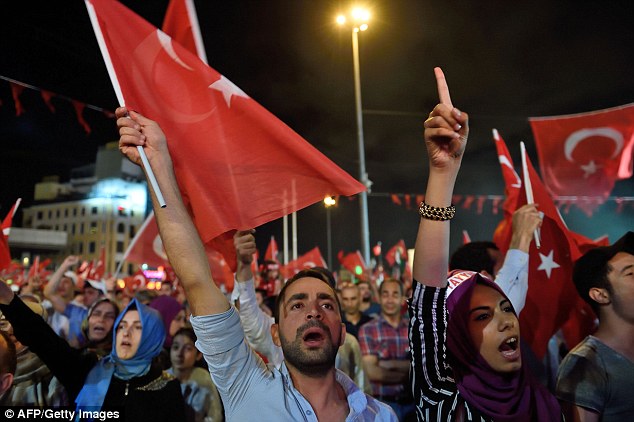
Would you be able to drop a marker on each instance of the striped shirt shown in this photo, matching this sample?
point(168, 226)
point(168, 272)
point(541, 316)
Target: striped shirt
point(435, 392)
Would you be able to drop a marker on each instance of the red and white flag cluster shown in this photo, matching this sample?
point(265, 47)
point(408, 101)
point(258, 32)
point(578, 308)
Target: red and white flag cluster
point(552, 301)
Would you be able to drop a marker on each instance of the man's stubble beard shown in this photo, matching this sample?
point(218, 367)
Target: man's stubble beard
point(312, 363)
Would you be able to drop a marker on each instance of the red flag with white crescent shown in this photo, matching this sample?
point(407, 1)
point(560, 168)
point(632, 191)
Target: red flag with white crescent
point(551, 296)
point(254, 167)
point(584, 154)
point(310, 259)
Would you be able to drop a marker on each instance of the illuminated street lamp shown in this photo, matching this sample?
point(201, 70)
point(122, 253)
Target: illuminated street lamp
point(329, 201)
point(358, 21)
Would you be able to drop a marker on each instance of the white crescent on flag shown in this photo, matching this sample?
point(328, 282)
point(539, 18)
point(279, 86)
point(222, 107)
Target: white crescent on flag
point(580, 135)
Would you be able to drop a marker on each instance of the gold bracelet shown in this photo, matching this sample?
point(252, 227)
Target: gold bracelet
point(436, 213)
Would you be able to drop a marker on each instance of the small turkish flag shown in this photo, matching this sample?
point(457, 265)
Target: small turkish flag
point(5, 252)
point(310, 259)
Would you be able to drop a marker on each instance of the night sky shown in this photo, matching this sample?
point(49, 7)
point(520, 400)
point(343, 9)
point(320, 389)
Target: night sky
point(504, 62)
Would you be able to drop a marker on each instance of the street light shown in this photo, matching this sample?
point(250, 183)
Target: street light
point(358, 20)
point(329, 201)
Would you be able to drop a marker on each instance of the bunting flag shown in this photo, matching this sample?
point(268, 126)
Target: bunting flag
point(18, 87)
point(551, 295)
point(79, 111)
point(585, 154)
point(216, 132)
point(16, 91)
point(272, 251)
point(310, 259)
point(5, 251)
point(47, 97)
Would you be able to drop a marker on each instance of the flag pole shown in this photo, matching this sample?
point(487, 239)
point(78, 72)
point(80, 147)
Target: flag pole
point(198, 39)
point(528, 188)
point(117, 88)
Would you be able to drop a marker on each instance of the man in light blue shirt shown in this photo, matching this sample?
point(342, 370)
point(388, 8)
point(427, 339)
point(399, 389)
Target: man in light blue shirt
point(511, 271)
point(308, 326)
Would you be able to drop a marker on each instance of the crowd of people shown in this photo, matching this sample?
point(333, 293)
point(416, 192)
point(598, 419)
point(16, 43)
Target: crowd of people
point(444, 344)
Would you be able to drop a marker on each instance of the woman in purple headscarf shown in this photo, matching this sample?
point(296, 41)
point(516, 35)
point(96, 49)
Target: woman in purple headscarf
point(464, 333)
point(174, 318)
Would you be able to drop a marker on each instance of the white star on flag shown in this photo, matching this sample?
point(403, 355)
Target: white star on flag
point(589, 169)
point(547, 264)
point(228, 89)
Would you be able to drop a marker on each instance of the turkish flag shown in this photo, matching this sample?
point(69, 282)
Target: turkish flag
point(35, 268)
point(220, 270)
point(98, 269)
point(353, 260)
point(271, 250)
point(135, 282)
point(400, 249)
point(5, 251)
point(551, 294)
point(582, 319)
point(512, 187)
point(512, 181)
point(310, 259)
point(585, 154)
point(237, 165)
point(181, 23)
point(147, 248)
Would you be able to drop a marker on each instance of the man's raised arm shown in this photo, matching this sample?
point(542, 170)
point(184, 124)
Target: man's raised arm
point(182, 243)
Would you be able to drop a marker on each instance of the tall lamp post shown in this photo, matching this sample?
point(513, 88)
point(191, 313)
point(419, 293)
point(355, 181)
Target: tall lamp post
point(358, 19)
point(329, 202)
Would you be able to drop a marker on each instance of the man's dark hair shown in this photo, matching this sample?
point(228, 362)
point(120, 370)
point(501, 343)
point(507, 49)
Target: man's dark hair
point(392, 280)
point(474, 256)
point(8, 359)
point(318, 273)
point(593, 268)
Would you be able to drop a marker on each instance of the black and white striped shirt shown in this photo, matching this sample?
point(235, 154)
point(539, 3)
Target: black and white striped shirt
point(435, 392)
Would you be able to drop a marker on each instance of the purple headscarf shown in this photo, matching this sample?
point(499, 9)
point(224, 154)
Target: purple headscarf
point(516, 396)
point(168, 307)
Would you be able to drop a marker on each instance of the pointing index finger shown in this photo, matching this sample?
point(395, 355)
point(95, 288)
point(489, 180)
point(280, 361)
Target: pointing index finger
point(443, 89)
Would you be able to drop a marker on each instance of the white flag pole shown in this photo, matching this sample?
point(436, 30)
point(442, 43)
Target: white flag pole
point(198, 39)
point(528, 188)
point(117, 89)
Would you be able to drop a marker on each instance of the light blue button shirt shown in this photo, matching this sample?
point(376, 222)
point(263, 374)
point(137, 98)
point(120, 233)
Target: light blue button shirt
point(252, 390)
point(513, 278)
